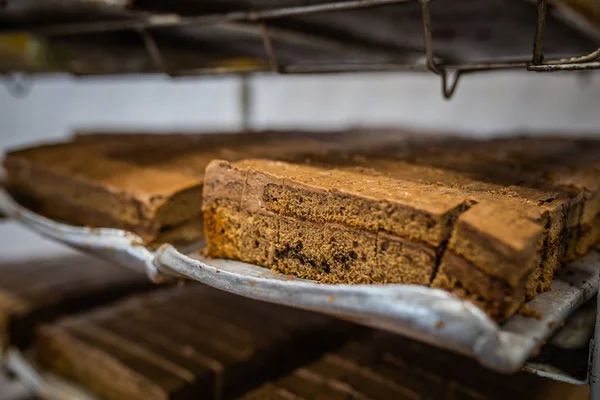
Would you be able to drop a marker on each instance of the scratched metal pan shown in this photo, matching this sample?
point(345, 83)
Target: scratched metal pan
point(422, 313)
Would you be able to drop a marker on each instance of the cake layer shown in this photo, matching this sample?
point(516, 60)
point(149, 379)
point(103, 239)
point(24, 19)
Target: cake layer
point(560, 176)
point(384, 366)
point(406, 209)
point(353, 225)
point(244, 207)
point(184, 342)
point(63, 210)
point(556, 209)
point(499, 241)
point(332, 253)
point(553, 182)
point(499, 299)
point(151, 183)
point(38, 291)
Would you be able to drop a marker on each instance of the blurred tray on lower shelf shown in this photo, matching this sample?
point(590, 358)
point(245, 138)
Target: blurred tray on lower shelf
point(421, 313)
point(46, 386)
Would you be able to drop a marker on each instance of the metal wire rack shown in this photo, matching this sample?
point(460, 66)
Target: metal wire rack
point(145, 24)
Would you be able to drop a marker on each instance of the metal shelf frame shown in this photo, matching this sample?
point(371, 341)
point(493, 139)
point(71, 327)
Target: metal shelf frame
point(144, 23)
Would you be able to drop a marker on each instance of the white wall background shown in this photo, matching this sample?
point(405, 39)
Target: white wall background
point(485, 104)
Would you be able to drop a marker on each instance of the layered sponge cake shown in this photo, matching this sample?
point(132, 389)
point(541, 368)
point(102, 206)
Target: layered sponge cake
point(491, 221)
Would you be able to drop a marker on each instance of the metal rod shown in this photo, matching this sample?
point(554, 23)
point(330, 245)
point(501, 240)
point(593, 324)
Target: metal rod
point(268, 45)
point(539, 32)
point(153, 51)
point(341, 68)
point(318, 68)
point(565, 67)
point(391, 67)
point(427, 37)
point(594, 55)
point(448, 90)
point(246, 99)
point(219, 70)
point(173, 20)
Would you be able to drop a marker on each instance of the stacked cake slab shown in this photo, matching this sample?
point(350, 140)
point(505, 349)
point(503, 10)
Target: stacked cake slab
point(491, 221)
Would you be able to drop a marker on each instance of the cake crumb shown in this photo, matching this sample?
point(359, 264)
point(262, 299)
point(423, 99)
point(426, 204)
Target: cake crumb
point(440, 324)
point(330, 299)
point(551, 324)
point(527, 311)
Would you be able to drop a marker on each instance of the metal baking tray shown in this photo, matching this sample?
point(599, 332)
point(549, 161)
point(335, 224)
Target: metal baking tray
point(422, 313)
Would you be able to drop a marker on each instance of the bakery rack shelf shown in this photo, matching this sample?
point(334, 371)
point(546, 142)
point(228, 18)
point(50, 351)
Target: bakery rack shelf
point(289, 37)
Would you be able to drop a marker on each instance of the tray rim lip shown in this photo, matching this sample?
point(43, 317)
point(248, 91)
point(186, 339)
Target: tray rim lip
point(491, 345)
